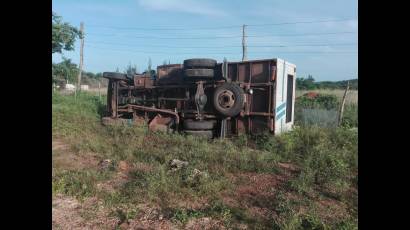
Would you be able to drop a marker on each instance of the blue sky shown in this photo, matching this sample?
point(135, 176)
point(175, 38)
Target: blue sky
point(132, 31)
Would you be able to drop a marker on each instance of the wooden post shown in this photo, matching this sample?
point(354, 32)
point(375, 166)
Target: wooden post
point(342, 106)
point(81, 56)
point(243, 43)
point(99, 90)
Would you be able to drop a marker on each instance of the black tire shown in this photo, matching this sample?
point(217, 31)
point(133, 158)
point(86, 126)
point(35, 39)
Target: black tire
point(199, 63)
point(200, 133)
point(115, 76)
point(199, 73)
point(237, 99)
point(199, 125)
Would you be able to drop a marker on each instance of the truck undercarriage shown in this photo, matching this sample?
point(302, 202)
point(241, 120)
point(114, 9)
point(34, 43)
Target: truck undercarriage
point(200, 97)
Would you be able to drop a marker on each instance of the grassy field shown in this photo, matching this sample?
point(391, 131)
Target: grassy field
point(120, 177)
point(351, 98)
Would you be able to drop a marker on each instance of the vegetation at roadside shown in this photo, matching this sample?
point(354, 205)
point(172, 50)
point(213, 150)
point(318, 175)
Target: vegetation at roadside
point(309, 83)
point(320, 194)
point(322, 109)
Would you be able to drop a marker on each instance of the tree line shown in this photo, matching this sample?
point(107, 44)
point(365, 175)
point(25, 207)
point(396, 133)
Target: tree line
point(64, 36)
point(309, 83)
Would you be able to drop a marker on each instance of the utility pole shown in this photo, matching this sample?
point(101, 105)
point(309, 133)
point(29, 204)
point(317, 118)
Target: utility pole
point(243, 43)
point(81, 55)
point(342, 106)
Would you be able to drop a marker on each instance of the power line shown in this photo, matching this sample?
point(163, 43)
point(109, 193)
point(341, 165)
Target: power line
point(312, 34)
point(302, 22)
point(240, 36)
point(153, 37)
point(220, 27)
point(228, 46)
point(177, 53)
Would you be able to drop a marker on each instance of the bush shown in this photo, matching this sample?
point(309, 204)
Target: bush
point(350, 116)
point(329, 159)
point(322, 101)
point(326, 157)
point(323, 111)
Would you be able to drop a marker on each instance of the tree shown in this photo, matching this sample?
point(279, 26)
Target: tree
point(131, 69)
point(65, 70)
point(149, 71)
point(64, 35)
point(149, 65)
point(306, 84)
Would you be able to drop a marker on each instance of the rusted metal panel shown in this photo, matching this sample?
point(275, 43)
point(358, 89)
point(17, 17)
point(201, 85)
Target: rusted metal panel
point(160, 123)
point(145, 108)
point(139, 82)
point(273, 72)
point(143, 81)
point(260, 72)
point(243, 72)
point(169, 74)
point(166, 70)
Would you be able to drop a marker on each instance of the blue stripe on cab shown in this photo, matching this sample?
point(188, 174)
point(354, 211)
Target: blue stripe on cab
point(280, 115)
point(280, 107)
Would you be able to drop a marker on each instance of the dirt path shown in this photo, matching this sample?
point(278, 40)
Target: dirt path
point(69, 213)
point(64, 158)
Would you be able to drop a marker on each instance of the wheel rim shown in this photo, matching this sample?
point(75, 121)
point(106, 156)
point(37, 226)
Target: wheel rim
point(226, 99)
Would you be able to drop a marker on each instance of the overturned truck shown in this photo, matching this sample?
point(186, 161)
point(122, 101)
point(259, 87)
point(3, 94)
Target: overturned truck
point(205, 98)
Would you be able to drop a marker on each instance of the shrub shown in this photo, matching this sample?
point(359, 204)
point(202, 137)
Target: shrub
point(322, 101)
point(350, 116)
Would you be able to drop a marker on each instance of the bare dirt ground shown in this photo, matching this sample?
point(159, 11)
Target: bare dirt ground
point(254, 192)
point(257, 191)
point(66, 159)
point(67, 213)
point(70, 213)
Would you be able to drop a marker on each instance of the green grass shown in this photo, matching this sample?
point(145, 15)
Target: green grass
point(326, 158)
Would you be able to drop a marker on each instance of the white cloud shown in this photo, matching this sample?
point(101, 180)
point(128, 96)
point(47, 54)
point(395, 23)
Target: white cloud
point(184, 6)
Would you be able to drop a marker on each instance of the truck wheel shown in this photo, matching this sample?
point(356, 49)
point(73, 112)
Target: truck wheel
point(200, 133)
point(198, 125)
point(228, 99)
point(199, 73)
point(199, 63)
